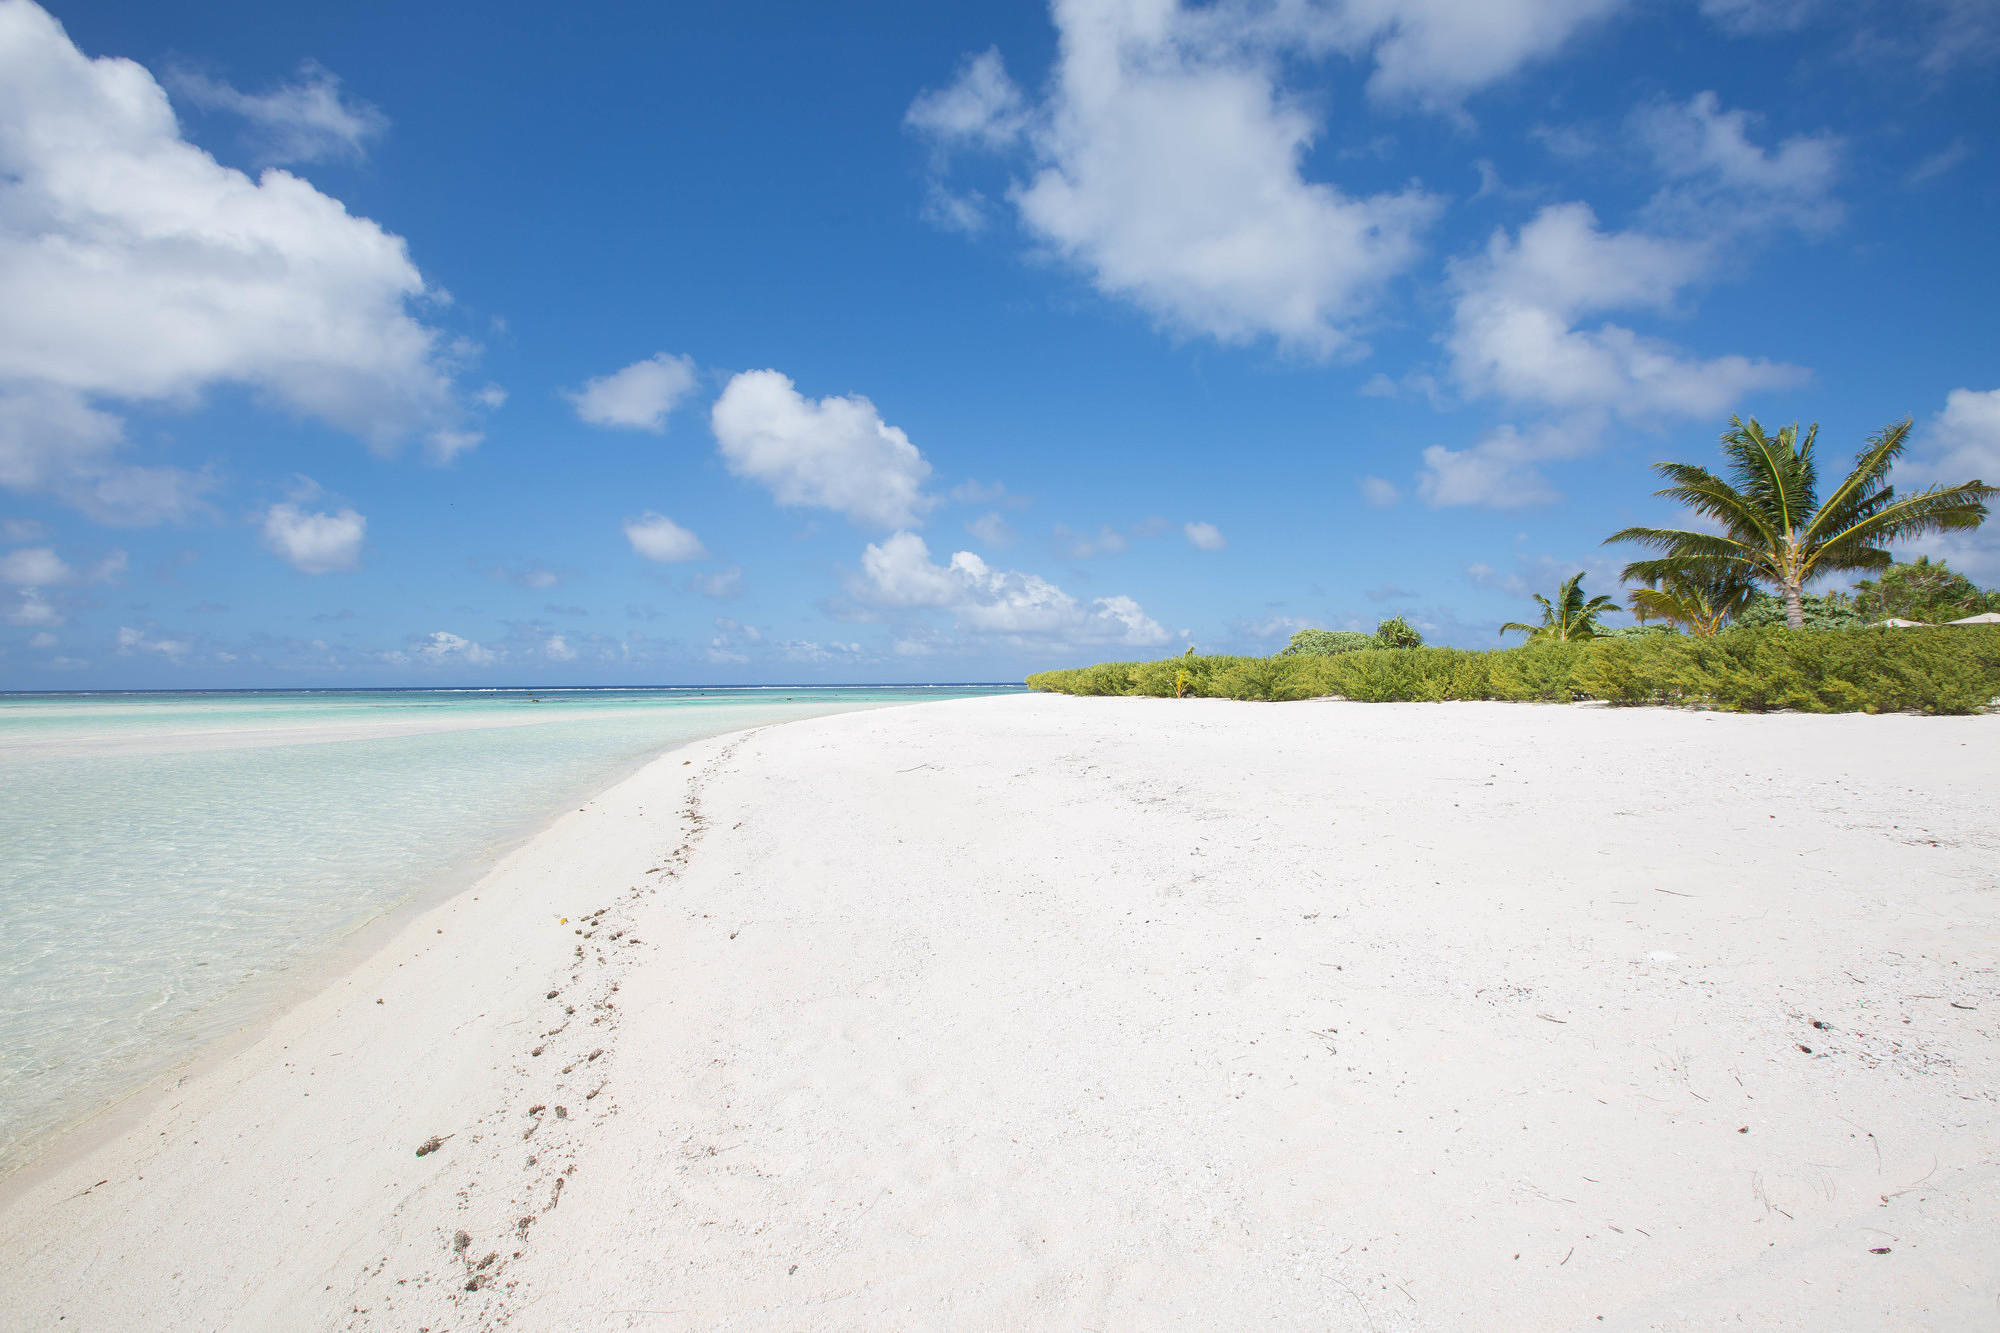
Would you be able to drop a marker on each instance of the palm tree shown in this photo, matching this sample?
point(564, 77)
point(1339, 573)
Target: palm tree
point(1568, 617)
point(1698, 599)
point(1774, 529)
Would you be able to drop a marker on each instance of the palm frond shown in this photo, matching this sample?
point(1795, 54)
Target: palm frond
point(1855, 496)
point(1709, 495)
point(1937, 509)
point(1775, 474)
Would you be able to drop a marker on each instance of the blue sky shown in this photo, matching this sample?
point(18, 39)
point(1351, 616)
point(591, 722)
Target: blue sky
point(375, 345)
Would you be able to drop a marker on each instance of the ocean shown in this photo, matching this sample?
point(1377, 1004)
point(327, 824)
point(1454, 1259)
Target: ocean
point(172, 866)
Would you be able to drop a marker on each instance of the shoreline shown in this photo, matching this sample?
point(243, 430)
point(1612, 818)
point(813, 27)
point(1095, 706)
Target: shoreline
point(251, 1009)
point(1123, 1012)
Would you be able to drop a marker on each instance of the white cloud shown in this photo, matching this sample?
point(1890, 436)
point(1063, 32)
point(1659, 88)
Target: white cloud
point(34, 567)
point(315, 543)
point(304, 121)
point(41, 567)
point(1964, 439)
point(1722, 180)
point(1205, 536)
point(798, 650)
point(1514, 333)
point(658, 537)
point(20, 529)
point(832, 453)
point(44, 640)
point(557, 649)
point(1434, 52)
point(1166, 164)
point(1380, 493)
point(1498, 471)
point(34, 609)
point(441, 647)
point(135, 268)
point(638, 397)
point(981, 106)
point(899, 573)
point(131, 640)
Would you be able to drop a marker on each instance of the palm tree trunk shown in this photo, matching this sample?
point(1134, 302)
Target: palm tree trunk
point(1795, 611)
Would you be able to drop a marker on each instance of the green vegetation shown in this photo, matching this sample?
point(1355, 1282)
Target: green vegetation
point(1742, 648)
point(1833, 610)
point(1951, 670)
point(1568, 617)
point(1696, 598)
point(1326, 643)
point(1925, 590)
point(1395, 632)
point(1775, 529)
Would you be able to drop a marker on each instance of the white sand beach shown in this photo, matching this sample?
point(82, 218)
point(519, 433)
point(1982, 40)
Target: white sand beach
point(1043, 1012)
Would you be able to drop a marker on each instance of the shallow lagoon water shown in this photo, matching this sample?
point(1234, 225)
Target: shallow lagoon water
point(167, 861)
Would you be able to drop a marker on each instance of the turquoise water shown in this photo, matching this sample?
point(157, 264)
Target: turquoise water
point(166, 860)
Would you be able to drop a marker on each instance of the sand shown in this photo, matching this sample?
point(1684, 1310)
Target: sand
point(1125, 1014)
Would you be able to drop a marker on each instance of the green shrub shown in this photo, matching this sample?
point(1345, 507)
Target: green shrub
point(1954, 669)
point(1326, 642)
point(1831, 610)
point(1396, 632)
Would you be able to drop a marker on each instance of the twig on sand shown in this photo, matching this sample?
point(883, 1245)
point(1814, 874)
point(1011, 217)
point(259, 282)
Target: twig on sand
point(1565, 1258)
point(1907, 1188)
point(1676, 892)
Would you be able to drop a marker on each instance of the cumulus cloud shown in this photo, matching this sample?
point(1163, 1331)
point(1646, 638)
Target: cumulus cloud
point(898, 572)
point(1166, 164)
point(43, 641)
point(306, 120)
point(638, 397)
point(829, 453)
point(1963, 441)
point(1515, 333)
point(556, 648)
point(315, 543)
point(658, 537)
point(1204, 536)
point(136, 269)
point(442, 648)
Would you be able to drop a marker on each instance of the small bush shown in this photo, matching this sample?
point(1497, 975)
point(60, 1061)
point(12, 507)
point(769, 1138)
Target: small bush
point(1831, 610)
point(1952, 669)
point(1396, 632)
point(1326, 643)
